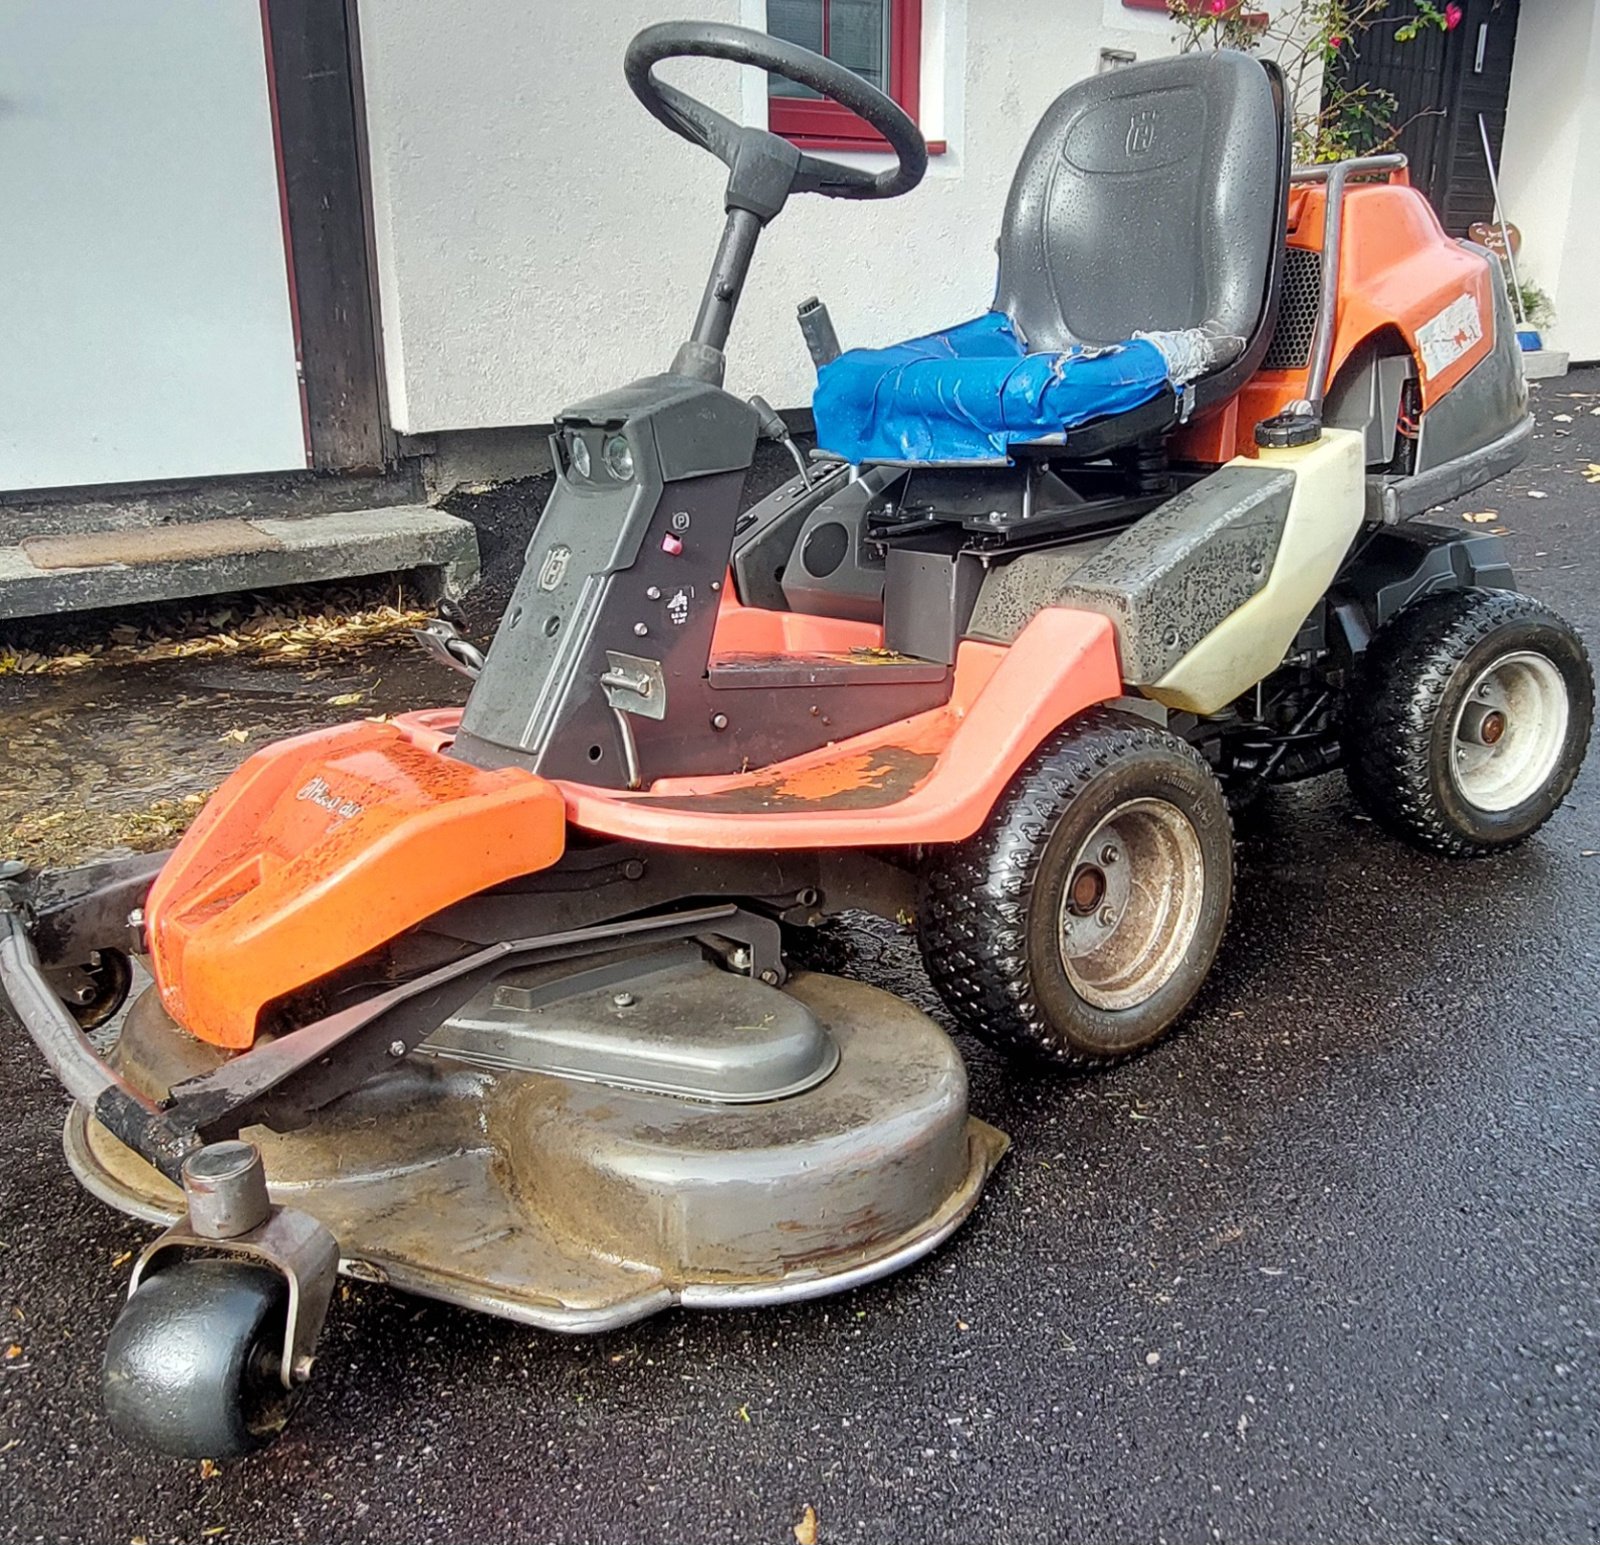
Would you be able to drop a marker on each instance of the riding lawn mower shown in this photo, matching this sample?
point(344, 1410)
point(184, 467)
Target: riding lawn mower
point(499, 1005)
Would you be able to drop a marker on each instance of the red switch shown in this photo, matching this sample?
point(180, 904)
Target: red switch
point(671, 545)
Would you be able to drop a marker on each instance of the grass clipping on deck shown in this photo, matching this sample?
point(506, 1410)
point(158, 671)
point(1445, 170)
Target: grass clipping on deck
point(285, 624)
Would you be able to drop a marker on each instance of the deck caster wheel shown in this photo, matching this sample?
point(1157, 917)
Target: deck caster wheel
point(1079, 923)
point(191, 1368)
point(1468, 721)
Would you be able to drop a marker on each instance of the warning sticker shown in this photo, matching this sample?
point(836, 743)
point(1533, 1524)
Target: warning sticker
point(1445, 338)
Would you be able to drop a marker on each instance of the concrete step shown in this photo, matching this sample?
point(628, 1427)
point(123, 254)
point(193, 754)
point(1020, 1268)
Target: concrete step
point(45, 574)
point(1543, 364)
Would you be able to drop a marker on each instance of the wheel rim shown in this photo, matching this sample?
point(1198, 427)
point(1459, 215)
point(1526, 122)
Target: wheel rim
point(1132, 903)
point(1509, 731)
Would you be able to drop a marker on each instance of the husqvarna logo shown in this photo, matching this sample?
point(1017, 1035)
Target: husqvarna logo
point(317, 792)
point(554, 568)
point(1142, 131)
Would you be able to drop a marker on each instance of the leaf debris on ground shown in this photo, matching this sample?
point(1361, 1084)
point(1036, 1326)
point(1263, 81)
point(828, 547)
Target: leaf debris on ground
point(298, 621)
point(58, 839)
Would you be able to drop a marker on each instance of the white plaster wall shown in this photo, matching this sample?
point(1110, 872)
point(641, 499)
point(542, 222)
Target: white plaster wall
point(1550, 166)
point(539, 237)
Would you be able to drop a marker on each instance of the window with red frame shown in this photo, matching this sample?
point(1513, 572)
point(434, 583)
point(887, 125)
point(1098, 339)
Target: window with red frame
point(1255, 18)
point(880, 40)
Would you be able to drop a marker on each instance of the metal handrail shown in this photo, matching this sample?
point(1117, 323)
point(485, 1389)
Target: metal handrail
point(1335, 174)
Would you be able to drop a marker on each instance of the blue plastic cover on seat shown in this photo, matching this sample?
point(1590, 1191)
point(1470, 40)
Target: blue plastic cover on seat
point(970, 392)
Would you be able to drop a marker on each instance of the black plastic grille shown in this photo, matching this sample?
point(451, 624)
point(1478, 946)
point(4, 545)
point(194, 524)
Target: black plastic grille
point(1301, 295)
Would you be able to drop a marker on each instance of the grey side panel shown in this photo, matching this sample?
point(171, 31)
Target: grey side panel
point(1488, 403)
point(1013, 593)
point(1366, 398)
point(1397, 568)
point(928, 600)
point(1146, 198)
point(1393, 499)
point(1171, 579)
point(833, 570)
point(767, 532)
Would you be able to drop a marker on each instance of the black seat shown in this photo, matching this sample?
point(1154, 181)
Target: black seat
point(1148, 200)
point(1153, 198)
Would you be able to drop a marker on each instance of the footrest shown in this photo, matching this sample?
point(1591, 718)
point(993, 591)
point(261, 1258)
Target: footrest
point(834, 668)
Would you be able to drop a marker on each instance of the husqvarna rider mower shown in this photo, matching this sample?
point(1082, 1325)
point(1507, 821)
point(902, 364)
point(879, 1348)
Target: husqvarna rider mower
point(493, 1005)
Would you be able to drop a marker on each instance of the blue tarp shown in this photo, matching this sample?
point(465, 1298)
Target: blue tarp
point(969, 392)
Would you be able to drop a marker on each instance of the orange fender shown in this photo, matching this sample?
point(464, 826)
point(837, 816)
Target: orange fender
point(323, 847)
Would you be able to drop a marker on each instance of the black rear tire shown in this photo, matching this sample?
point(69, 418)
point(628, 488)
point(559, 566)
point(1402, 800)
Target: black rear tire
point(1432, 684)
point(191, 1363)
point(1047, 949)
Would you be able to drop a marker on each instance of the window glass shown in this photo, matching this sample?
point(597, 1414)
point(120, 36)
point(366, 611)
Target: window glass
point(853, 32)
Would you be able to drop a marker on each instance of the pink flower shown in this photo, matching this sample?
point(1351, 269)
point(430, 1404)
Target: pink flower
point(1452, 17)
point(1335, 42)
point(1218, 7)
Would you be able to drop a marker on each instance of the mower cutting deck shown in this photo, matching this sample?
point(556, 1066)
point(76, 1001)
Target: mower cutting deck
point(497, 1005)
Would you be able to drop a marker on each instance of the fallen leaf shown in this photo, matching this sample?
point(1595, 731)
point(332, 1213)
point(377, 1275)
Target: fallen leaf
point(743, 1413)
point(234, 737)
point(1561, 418)
point(346, 699)
point(208, 1469)
point(13, 1352)
point(1592, 472)
point(1479, 517)
point(962, 1325)
point(121, 1260)
point(805, 1532)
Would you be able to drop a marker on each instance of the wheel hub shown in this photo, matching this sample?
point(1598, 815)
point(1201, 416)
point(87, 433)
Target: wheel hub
point(1088, 890)
point(1509, 731)
point(1132, 905)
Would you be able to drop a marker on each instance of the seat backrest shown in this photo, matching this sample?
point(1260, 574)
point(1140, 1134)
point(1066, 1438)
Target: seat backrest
point(1148, 198)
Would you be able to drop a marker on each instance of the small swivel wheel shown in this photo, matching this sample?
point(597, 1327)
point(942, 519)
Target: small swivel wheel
point(1078, 924)
point(192, 1366)
point(1468, 720)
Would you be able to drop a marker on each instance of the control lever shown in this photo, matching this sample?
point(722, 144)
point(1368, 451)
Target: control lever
point(772, 427)
point(822, 342)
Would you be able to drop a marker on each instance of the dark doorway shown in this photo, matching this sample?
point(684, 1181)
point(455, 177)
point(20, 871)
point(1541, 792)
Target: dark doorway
point(1442, 82)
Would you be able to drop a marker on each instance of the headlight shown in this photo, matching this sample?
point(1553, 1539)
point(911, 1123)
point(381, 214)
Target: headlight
point(618, 456)
point(580, 455)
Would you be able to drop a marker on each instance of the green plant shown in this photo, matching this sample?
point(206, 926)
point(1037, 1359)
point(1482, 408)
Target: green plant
point(1537, 309)
point(1311, 39)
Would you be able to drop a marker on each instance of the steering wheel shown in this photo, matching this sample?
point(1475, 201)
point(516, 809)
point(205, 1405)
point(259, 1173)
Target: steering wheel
point(734, 144)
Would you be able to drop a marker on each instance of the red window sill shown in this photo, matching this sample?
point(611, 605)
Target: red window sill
point(936, 147)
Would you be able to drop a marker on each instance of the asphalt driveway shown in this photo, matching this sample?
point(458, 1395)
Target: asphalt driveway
point(1322, 1266)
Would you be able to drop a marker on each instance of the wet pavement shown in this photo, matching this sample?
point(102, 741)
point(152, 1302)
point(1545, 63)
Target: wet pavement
point(1321, 1266)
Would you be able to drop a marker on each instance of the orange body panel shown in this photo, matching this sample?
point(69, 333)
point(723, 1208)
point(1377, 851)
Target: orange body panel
point(930, 778)
point(326, 846)
point(323, 847)
point(1398, 269)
